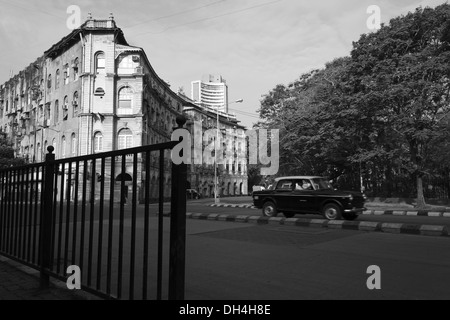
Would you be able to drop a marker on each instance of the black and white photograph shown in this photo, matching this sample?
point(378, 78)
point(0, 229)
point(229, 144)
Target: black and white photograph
point(230, 158)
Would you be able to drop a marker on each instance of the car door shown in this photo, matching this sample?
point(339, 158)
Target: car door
point(303, 196)
point(283, 193)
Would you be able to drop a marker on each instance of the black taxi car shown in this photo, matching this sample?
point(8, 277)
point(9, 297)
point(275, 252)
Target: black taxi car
point(306, 195)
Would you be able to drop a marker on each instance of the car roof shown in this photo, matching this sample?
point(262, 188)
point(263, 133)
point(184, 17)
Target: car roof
point(298, 177)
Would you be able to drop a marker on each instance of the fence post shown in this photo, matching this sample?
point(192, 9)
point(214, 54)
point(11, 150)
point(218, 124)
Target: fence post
point(45, 232)
point(178, 227)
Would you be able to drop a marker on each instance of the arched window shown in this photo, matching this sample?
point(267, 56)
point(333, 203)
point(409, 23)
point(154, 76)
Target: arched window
point(65, 108)
point(99, 91)
point(153, 116)
point(63, 147)
point(49, 81)
point(125, 100)
point(75, 69)
point(66, 73)
point(54, 145)
point(75, 103)
point(39, 152)
point(40, 111)
point(56, 113)
point(57, 79)
point(98, 142)
point(47, 111)
point(126, 63)
point(100, 62)
point(73, 142)
point(125, 139)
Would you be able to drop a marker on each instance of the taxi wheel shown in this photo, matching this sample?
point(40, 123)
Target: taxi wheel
point(269, 209)
point(332, 211)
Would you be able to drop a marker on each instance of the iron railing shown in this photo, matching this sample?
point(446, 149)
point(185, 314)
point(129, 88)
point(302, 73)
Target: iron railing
point(77, 211)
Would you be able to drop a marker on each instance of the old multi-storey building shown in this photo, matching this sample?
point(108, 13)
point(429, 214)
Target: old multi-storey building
point(231, 174)
point(90, 92)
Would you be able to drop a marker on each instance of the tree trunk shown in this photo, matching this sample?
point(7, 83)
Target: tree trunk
point(389, 181)
point(420, 198)
point(447, 182)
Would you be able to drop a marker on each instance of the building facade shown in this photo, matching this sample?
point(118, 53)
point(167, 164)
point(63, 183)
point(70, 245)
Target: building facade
point(91, 92)
point(211, 91)
point(232, 174)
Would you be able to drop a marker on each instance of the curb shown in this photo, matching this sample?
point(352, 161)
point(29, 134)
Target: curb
point(398, 228)
point(229, 205)
point(421, 213)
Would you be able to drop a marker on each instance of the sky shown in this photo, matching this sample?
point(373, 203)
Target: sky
point(253, 44)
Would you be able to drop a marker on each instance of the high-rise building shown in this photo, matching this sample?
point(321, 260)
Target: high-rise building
point(211, 91)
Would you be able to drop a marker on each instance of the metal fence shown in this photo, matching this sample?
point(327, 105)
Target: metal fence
point(95, 212)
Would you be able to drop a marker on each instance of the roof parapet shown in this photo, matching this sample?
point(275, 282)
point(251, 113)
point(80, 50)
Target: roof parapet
point(99, 24)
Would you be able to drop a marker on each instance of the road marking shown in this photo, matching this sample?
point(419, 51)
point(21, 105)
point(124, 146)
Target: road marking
point(296, 230)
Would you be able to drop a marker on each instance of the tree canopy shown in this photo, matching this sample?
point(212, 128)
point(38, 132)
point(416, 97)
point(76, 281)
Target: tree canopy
point(379, 113)
point(7, 158)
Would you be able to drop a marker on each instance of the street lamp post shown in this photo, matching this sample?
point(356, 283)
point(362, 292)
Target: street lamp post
point(216, 182)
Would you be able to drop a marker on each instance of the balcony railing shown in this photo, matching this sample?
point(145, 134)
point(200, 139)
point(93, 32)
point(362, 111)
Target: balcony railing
point(100, 24)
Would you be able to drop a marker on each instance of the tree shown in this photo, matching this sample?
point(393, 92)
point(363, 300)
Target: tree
point(379, 114)
point(398, 78)
point(7, 154)
point(313, 135)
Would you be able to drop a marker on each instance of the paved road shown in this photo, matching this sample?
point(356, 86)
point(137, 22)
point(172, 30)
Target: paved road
point(202, 207)
point(228, 260)
point(269, 262)
point(243, 261)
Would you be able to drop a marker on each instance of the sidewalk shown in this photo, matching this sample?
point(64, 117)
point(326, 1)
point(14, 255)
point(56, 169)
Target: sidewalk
point(18, 282)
